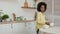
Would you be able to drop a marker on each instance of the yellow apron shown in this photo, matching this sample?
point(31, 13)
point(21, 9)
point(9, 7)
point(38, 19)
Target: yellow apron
point(40, 20)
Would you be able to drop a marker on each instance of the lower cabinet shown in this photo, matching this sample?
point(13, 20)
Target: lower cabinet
point(18, 28)
point(30, 28)
point(24, 28)
point(5, 29)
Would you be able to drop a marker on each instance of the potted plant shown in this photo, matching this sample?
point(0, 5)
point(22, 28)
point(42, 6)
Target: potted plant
point(4, 17)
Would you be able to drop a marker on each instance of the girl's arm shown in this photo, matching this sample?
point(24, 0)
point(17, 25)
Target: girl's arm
point(35, 15)
point(47, 22)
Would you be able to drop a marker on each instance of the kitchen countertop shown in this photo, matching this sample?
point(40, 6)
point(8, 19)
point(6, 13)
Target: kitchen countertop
point(51, 30)
point(23, 21)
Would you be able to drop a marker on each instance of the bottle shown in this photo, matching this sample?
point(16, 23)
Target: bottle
point(26, 4)
point(14, 17)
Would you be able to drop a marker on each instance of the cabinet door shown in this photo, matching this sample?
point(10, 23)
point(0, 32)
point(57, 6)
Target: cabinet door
point(5, 29)
point(30, 28)
point(18, 28)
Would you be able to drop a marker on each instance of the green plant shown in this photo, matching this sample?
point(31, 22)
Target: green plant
point(4, 17)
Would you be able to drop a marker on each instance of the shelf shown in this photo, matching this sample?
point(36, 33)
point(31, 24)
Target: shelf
point(28, 7)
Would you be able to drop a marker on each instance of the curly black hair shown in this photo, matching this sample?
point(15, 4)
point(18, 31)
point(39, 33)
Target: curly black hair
point(39, 6)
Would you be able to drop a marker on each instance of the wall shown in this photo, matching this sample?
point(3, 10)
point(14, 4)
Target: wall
point(57, 12)
point(14, 6)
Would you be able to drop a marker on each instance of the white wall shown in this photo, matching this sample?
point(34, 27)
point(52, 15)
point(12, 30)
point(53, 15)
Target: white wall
point(57, 12)
point(14, 6)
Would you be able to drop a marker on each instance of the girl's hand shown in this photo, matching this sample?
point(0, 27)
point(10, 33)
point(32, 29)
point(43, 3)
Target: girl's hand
point(47, 23)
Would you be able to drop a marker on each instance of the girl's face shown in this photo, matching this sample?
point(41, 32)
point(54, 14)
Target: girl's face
point(42, 8)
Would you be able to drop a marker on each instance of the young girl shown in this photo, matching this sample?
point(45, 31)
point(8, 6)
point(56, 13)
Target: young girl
point(40, 17)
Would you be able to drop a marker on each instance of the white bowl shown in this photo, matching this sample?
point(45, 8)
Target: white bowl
point(46, 26)
point(51, 24)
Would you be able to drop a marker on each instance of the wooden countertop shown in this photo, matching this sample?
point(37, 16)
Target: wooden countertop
point(24, 21)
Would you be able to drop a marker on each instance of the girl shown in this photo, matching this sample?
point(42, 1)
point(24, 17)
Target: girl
point(40, 17)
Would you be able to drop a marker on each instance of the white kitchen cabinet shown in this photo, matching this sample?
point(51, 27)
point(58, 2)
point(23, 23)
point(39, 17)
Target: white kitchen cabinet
point(24, 28)
point(5, 29)
point(18, 28)
point(30, 28)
